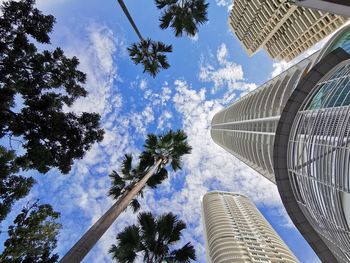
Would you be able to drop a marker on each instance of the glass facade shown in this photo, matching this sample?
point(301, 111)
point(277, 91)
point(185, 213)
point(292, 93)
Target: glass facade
point(334, 92)
point(319, 158)
point(343, 41)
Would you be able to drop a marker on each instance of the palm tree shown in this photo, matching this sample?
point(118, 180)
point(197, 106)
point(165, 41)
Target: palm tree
point(153, 239)
point(147, 52)
point(183, 15)
point(130, 176)
point(159, 151)
point(150, 54)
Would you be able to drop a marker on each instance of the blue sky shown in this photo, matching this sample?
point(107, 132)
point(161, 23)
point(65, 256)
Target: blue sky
point(207, 73)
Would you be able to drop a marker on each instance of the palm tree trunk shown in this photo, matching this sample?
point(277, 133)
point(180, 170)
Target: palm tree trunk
point(90, 238)
point(126, 12)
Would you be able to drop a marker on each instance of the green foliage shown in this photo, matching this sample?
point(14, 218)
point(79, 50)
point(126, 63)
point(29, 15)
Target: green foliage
point(32, 237)
point(124, 182)
point(151, 55)
point(12, 186)
point(38, 85)
point(183, 16)
point(153, 239)
point(158, 178)
point(170, 147)
point(180, 255)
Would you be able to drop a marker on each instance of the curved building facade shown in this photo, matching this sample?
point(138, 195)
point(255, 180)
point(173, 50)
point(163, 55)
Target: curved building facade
point(297, 134)
point(319, 157)
point(235, 231)
point(247, 128)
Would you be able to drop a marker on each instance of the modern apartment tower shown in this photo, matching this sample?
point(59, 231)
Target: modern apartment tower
point(282, 29)
point(340, 7)
point(295, 131)
point(236, 231)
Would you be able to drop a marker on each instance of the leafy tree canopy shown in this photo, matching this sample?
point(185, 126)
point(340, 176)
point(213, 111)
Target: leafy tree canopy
point(153, 239)
point(32, 237)
point(35, 86)
point(12, 186)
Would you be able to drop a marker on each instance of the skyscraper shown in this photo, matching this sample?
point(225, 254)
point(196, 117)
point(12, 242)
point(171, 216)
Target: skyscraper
point(295, 130)
point(283, 30)
point(235, 231)
point(340, 7)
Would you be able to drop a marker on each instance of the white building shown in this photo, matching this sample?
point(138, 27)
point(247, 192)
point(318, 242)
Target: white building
point(236, 231)
point(282, 29)
point(295, 131)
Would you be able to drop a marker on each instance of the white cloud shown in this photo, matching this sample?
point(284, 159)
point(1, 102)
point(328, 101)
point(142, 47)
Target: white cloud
point(225, 3)
point(96, 60)
point(163, 121)
point(222, 54)
point(194, 38)
point(143, 84)
point(50, 3)
point(140, 120)
point(226, 75)
point(156, 99)
point(103, 44)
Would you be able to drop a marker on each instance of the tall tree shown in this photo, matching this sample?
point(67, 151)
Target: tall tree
point(32, 237)
point(183, 16)
point(130, 175)
point(12, 186)
point(149, 53)
point(159, 151)
point(35, 86)
point(153, 239)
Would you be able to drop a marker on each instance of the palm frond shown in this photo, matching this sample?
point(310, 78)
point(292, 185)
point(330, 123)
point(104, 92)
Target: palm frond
point(148, 225)
point(165, 19)
point(157, 178)
point(176, 163)
point(151, 142)
point(128, 244)
point(146, 161)
point(165, 225)
point(151, 239)
point(170, 146)
point(135, 205)
point(118, 185)
point(162, 3)
point(127, 164)
point(151, 54)
point(183, 16)
point(184, 254)
point(176, 233)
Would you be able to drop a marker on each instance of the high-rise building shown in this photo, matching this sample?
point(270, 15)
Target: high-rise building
point(295, 131)
point(340, 7)
point(282, 29)
point(247, 128)
point(236, 231)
